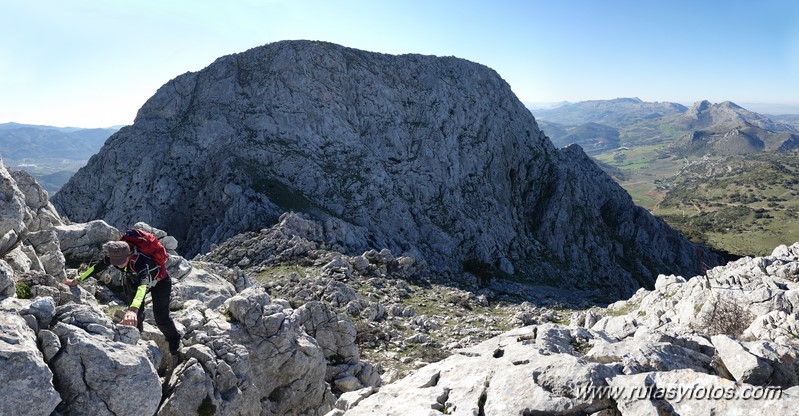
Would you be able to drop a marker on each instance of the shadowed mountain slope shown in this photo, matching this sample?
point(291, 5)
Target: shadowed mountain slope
point(430, 156)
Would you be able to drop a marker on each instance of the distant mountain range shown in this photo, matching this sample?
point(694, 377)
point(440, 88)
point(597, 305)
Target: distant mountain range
point(704, 128)
point(619, 112)
point(51, 154)
point(594, 138)
point(721, 174)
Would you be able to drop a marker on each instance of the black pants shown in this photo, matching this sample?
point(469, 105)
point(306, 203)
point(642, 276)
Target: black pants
point(160, 294)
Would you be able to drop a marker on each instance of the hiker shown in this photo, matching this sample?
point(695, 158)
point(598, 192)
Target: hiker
point(140, 276)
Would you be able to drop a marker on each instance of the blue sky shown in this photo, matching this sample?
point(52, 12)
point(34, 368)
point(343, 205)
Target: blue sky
point(93, 63)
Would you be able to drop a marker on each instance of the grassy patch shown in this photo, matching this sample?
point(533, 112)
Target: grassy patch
point(623, 310)
point(116, 311)
point(281, 271)
point(23, 290)
point(426, 353)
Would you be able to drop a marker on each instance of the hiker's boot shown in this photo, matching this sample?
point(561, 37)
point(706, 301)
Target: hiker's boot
point(173, 360)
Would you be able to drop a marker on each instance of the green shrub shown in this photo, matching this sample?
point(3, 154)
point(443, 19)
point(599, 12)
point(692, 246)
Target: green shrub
point(23, 290)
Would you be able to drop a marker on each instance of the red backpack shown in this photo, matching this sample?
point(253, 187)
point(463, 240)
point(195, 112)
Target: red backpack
point(146, 243)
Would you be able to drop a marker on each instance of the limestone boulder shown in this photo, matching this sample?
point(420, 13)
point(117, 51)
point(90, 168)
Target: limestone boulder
point(40, 214)
point(507, 374)
point(7, 282)
point(27, 381)
point(199, 284)
point(741, 364)
point(620, 327)
point(643, 356)
point(96, 375)
point(253, 359)
point(46, 246)
point(775, 326)
point(83, 242)
point(13, 212)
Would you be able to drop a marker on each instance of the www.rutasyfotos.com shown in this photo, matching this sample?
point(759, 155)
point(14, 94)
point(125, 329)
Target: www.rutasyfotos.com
point(679, 393)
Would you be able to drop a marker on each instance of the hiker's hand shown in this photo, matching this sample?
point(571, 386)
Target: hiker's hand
point(129, 319)
point(71, 282)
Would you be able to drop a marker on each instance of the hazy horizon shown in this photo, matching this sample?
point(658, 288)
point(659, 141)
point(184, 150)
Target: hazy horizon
point(772, 109)
point(761, 108)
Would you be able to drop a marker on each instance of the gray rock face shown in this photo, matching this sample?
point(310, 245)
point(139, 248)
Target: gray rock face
point(506, 375)
point(27, 218)
point(104, 378)
point(245, 352)
point(27, 381)
point(685, 392)
point(12, 211)
point(256, 360)
point(83, 242)
point(41, 214)
point(430, 156)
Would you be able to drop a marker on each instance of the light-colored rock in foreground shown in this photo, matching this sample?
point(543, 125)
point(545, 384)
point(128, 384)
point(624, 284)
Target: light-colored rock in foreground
point(506, 375)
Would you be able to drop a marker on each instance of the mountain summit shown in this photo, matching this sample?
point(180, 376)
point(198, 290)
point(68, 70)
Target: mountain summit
point(704, 115)
point(430, 156)
point(727, 129)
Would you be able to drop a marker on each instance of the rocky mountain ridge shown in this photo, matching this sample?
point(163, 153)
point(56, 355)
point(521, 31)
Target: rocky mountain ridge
point(284, 332)
point(725, 115)
point(244, 352)
point(728, 129)
point(427, 156)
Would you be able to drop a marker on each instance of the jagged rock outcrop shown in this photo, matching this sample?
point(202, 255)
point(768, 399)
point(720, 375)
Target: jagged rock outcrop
point(12, 211)
point(27, 219)
point(62, 352)
point(507, 375)
point(83, 242)
point(102, 376)
point(40, 214)
point(27, 380)
point(430, 156)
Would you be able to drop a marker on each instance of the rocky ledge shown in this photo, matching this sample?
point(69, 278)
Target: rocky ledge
point(724, 343)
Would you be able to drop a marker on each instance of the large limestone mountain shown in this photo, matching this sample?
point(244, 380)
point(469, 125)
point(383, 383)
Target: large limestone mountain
point(428, 156)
